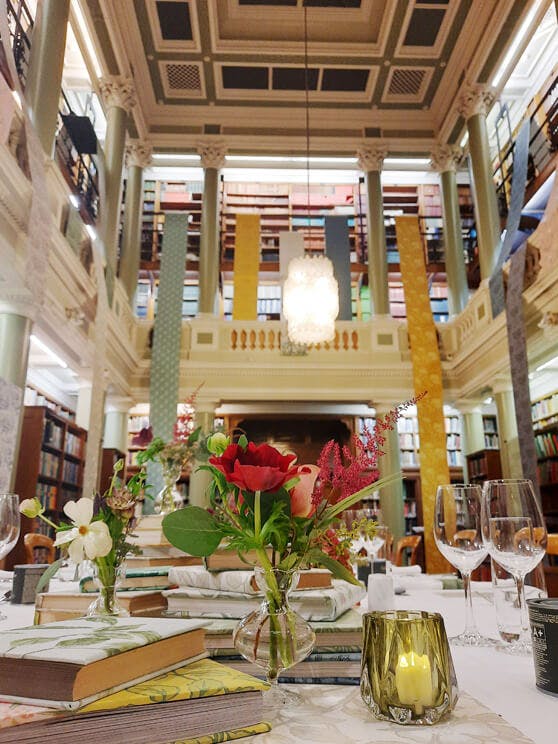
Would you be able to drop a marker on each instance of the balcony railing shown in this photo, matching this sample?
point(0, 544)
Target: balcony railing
point(20, 22)
point(543, 144)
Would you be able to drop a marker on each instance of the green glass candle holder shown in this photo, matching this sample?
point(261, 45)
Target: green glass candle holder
point(407, 671)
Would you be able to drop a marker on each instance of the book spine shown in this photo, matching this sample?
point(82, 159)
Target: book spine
point(320, 680)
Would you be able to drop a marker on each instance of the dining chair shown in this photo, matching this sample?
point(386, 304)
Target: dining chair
point(39, 548)
point(411, 542)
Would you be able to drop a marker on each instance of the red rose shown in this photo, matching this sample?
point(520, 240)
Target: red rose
point(257, 468)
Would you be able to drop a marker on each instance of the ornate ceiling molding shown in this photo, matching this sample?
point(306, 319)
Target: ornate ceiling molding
point(445, 158)
point(138, 153)
point(475, 99)
point(118, 91)
point(371, 158)
point(212, 154)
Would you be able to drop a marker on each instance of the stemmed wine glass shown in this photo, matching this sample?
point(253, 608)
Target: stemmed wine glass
point(9, 525)
point(515, 534)
point(458, 535)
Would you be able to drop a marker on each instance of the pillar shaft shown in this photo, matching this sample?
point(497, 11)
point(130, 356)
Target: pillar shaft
point(209, 243)
point(486, 204)
point(114, 160)
point(507, 434)
point(391, 497)
point(200, 480)
point(472, 432)
point(131, 231)
point(15, 332)
point(46, 62)
point(116, 430)
point(458, 293)
point(377, 253)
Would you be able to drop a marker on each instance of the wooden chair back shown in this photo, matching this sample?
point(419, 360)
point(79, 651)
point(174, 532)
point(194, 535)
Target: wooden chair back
point(409, 541)
point(34, 542)
point(552, 543)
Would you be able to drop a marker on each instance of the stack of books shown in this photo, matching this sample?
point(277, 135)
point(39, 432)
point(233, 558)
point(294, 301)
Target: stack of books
point(227, 596)
point(139, 681)
point(233, 594)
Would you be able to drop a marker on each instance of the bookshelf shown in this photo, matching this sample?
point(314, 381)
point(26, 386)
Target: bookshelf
point(545, 424)
point(484, 465)
point(490, 431)
point(50, 467)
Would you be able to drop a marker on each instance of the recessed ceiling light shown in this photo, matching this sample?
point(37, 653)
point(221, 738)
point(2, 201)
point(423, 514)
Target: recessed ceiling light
point(488, 401)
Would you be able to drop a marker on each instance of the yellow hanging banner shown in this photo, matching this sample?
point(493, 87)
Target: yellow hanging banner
point(427, 376)
point(246, 266)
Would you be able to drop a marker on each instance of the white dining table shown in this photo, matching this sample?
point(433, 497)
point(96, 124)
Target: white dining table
point(499, 701)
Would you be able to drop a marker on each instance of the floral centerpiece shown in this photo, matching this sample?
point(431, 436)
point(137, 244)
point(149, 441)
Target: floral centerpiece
point(264, 504)
point(98, 531)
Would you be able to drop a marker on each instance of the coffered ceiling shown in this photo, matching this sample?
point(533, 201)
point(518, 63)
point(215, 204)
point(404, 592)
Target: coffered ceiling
point(234, 70)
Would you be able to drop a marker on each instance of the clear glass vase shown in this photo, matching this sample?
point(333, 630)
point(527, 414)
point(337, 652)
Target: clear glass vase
point(106, 604)
point(274, 636)
point(169, 498)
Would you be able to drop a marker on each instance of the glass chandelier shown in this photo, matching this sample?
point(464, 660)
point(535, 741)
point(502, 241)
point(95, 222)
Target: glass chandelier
point(310, 300)
point(310, 292)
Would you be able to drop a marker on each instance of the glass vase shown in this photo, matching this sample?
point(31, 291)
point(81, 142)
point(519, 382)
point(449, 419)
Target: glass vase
point(106, 604)
point(274, 637)
point(169, 498)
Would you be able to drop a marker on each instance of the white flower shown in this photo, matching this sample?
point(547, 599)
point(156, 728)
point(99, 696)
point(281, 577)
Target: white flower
point(91, 538)
point(31, 508)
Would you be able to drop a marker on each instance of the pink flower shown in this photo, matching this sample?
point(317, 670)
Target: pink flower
point(302, 504)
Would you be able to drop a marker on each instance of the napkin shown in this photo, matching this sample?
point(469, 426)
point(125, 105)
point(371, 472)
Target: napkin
point(417, 583)
point(406, 570)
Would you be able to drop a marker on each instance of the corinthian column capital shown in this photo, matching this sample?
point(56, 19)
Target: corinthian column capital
point(445, 157)
point(212, 154)
point(475, 99)
point(118, 91)
point(138, 153)
point(371, 158)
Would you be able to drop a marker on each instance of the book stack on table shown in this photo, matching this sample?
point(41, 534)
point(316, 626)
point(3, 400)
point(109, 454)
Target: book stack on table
point(227, 596)
point(127, 680)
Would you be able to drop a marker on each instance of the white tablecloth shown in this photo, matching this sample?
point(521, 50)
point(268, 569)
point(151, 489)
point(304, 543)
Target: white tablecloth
point(504, 683)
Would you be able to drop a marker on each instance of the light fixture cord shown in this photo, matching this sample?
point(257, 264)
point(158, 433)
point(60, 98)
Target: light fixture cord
point(307, 105)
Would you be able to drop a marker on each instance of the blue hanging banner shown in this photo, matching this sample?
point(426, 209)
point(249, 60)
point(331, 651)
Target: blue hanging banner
point(519, 177)
point(519, 366)
point(338, 250)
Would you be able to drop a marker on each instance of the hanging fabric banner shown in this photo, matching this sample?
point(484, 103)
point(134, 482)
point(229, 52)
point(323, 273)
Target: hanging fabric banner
point(519, 366)
point(338, 250)
point(427, 376)
point(519, 177)
point(246, 266)
point(165, 359)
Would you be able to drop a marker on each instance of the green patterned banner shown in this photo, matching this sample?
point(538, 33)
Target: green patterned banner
point(165, 359)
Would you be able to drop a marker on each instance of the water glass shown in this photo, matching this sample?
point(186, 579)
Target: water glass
point(9, 525)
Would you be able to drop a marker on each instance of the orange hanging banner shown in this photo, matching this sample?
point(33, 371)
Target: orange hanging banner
point(427, 376)
point(246, 266)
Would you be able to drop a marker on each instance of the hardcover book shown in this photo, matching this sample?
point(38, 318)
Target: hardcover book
point(201, 702)
point(54, 606)
point(139, 578)
point(241, 581)
point(314, 604)
point(68, 663)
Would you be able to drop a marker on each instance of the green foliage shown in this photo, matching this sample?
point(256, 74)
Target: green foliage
point(193, 530)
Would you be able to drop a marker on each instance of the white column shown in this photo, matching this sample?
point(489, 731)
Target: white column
point(200, 479)
point(117, 410)
point(507, 430)
point(391, 497)
point(83, 408)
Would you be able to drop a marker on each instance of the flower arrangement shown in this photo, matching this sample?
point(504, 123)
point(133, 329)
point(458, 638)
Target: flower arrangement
point(98, 529)
point(261, 499)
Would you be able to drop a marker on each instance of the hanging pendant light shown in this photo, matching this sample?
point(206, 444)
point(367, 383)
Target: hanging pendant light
point(310, 292)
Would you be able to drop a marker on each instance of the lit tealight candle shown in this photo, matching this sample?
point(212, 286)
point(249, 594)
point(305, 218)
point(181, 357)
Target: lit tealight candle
point(413, 680)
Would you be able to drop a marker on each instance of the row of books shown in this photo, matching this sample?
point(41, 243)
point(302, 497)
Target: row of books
point(48, 465)
point(70, 472)
point(491, 440)
point(453, 441)
point(52, 434)
point(546, 444)
point(72, 445)
point(545, 407)
point(548, 472)
point(46, 495)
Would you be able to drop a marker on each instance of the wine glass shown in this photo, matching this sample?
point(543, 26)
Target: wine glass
point(458, 535)
point(515, 534)
point(9, 525)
